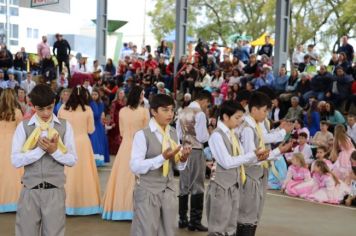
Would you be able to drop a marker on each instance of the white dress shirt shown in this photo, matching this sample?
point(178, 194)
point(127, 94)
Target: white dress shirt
point(20, 159)
point(139, 164)
point(273, 136)
point(201, 128)
point(221, 154)
point(248, 137)
point(351, 132)
point(28, 85)
point(307, 152)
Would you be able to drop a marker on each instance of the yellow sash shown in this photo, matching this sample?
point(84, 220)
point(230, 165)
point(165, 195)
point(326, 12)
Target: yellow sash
point(32, 140)
point(261, 143)
point(236, 149)
point(173, 145)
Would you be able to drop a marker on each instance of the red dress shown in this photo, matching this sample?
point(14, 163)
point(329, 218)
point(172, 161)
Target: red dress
point(114, 133)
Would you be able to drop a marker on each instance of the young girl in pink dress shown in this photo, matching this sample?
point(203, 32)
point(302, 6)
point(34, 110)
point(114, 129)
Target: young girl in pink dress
point(322, 154)
point(298, 181)
point(341, 154)
point(327, 187)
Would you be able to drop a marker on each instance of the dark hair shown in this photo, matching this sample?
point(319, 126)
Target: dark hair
point(96, 90)
point(324, 122)
point(229, 108)
point(313, 108)
point(161, 100)
point(42, 96)
point(332, 108)
point(268, 91)
point(302, 134)
point(203, 95)
point(79, 96)
point(243, 95)
point(258, 100)
point(133, 99)
point(322, 147)
point(301, 122)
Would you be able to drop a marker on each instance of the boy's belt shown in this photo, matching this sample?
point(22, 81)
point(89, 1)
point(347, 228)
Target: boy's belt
point(44, 185)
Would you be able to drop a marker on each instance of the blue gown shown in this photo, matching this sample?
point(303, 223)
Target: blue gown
point(275, 182)
point(99, 139)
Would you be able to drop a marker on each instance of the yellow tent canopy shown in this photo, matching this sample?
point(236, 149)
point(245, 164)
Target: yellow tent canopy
point(261, 40)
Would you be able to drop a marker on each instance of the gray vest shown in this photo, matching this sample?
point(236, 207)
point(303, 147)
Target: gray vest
point(153, 180)
point(255, 172)
point(46, 169)
point(226, 177)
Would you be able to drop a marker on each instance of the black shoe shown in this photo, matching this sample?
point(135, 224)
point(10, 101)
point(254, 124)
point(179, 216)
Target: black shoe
point(196, 212)
point(246, 230)
point(183, 210)
point(197, 227)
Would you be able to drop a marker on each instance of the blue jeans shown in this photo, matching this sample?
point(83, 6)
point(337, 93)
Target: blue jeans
point(319, 95)
point(19, 74)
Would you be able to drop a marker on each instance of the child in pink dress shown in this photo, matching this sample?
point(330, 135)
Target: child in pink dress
point(298, 181)
point(328, 188)
point(341, 153)
point(322, 154)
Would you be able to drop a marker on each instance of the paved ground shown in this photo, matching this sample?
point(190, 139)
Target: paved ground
point(283, 216)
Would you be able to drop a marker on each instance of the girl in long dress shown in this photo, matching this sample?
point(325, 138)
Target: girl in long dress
point(298, 181)
point(82, 187)
point(117, 202)
point(114, 135)
point(327, 187)
point(98, 138)
point(10, 178)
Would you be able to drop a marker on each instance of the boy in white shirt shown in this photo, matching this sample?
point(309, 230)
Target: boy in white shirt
point(304, 147)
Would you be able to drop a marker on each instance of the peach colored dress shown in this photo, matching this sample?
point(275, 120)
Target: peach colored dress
point(82, 183)
point(117, 202)
point(10, 177)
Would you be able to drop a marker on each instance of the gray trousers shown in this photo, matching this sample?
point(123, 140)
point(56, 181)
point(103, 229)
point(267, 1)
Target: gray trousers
point(41, 212)
point(154, 214)
point(252, 198)
point(191, 179)
point(222, 207)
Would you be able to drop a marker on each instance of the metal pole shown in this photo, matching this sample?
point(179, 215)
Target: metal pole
point(7, 27)
point(181, 32)
point(282, 30)
point(101, 30)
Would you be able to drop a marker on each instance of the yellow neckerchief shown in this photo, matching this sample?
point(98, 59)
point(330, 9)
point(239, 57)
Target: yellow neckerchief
point(172, 143)
point(32, 140)
point(261, 143)
point(236, 150)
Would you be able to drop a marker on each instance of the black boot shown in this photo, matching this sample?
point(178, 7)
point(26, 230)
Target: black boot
point(183, 210)
point(246, 230)
point(196, 212)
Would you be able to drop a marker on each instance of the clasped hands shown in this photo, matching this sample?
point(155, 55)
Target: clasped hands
point(48, 145)
point(169, 153)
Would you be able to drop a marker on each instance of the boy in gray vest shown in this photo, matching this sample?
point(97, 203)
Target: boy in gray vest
point(253, 191)
point(155, 151)
point(192, 128)
point(42, 145)
point(223, 195)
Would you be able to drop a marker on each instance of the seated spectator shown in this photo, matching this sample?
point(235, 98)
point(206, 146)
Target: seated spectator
point(334, 61)
point(266, 78)
point(252, 69)
point(63, 98)
point(304, 148)
point(351, 127)
point(320, 85)
point(11, 83)
point(281, 81)
point(226, 66)
point(312, 118)
point(306, 62)
point(217, 80)
point(322, 137)
point(19, 68)
point(87, 86)
point(109, 69)
point(3, 84)
point(237, 64)
point(298, 55)
point(28, 84)
point(341, 86)
point(22, 100)
point(295, 111)
point(278, 112)
point(189, 77)
point(210, 66)
point(150, 63)
point(344, 63)
point(6, 61)
point(303, 86)
point(314, 57)
point(161, 89)
point(235, 77)
point(333, 116)
point(62, 81)
point(291, 86)
point(204, 81)
point(48, 69)
point(350, 200)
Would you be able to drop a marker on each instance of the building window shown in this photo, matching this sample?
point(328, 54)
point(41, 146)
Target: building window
point(14, 2)
point(14, 42)
point(14, 31)
point(29, 33)
point(14, 11)
point(35, 33)
point(2, 10)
